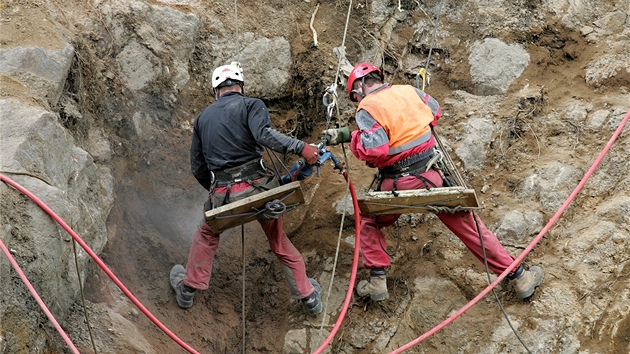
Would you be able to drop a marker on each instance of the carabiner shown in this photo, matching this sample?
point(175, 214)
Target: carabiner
point(426, 78)
point(330, 91)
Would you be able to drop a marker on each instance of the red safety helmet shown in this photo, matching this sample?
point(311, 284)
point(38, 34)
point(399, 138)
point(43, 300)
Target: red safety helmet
point(359, 71)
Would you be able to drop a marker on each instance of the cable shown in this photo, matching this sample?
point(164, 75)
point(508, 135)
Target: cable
point(527, 249)
point(437, 21)
point(97, 260)
point(496, 297)
point(33, 292)
point(85, 313)
point(238, 46)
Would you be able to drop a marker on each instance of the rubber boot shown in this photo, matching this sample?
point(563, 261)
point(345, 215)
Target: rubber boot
point(183, 294)
point(526, 282)
point(313, 302)
point(376, 287)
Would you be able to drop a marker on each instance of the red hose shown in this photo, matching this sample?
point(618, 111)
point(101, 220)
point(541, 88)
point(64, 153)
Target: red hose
point(355, 263)
point(98, 261)
point(37, 298)
point(528, 249)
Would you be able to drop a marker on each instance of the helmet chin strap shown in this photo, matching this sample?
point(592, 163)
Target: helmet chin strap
point(361, 91)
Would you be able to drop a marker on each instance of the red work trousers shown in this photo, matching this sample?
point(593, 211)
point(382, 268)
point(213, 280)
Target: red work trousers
point(462, 224)
point(205, 243)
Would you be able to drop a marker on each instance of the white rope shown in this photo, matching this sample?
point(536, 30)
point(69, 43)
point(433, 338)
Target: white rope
point(238, 46)
point(345, 198)
point(343, 42)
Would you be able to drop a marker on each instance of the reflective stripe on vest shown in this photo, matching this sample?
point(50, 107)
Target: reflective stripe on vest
point(402, 113)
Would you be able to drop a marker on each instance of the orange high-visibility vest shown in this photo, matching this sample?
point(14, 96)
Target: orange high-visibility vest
point(402, 113)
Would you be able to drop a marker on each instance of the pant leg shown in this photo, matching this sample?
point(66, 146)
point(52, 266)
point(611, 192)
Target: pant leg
point(289, 256)
point(373, 245)
point(199, 267)
point(463, 226)
point(205, 242)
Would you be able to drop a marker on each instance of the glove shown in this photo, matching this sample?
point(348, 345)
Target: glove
point(310, 154)
point(337, 136)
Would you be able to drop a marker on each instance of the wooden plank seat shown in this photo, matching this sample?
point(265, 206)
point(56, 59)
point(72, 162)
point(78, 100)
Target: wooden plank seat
point(418, 200)
point(245, 210)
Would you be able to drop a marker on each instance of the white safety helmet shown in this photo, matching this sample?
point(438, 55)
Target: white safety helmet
point(223, 73)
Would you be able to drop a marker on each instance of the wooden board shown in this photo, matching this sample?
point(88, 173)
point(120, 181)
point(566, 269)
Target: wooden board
point(417, 200)
point(228, 216)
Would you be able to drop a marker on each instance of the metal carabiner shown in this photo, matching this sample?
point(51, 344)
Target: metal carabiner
point(330, 91)
point(436, 158)
point(426, 78)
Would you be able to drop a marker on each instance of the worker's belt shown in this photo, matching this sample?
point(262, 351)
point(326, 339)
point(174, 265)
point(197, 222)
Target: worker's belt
point(246, 172)
point(414, 164)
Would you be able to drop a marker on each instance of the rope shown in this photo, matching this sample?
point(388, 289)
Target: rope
point(87, 319)
point(243, 285)
point(445, 209)
point(332, 91)
point(437, 22)
point(238, 45)
point(381, 239)
point(343, 43)
point(274, 209)
point(450, 165)
point(98, 261)
point(523, 254)
point(264, 210)
point(332, 277)
point(33, 292)
point(496, 297)
point(27, 174)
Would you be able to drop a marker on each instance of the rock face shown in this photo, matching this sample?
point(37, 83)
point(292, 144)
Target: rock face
point(65, 178)
point(96, 105)
point(42, 156)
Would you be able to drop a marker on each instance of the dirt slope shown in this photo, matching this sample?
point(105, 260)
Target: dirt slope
point(158, 204)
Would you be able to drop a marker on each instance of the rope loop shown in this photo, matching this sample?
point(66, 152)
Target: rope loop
point(274, 209)
point(445, 209)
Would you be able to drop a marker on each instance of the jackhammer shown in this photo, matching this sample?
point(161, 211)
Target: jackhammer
point(301, 170)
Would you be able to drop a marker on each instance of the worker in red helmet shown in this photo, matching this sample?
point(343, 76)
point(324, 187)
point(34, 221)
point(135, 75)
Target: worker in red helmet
point(395, 136)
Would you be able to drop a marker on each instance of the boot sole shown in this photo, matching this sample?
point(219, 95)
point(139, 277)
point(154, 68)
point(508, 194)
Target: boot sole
point(184, 304)
point(379, 297)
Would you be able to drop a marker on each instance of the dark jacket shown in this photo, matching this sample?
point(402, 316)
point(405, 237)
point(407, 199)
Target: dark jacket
point(232, 131)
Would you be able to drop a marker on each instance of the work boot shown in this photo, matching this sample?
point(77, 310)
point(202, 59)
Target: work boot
point(183, 294)
point(313, 302)
point(376, 287)
point(526, 281)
